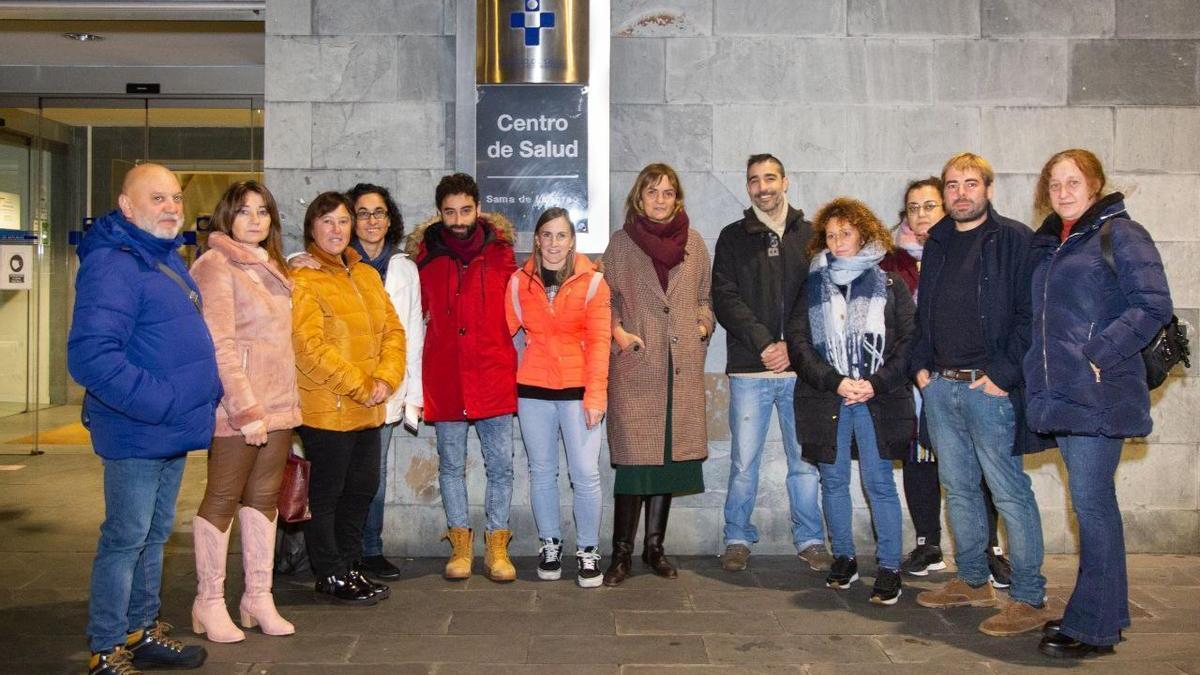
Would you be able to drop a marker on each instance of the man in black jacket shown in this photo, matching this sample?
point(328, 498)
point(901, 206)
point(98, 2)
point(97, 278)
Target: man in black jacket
point(759, 266)
point(973, 324)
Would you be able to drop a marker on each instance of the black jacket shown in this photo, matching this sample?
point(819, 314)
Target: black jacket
point(817, 403)
point(1004, 305)
point(753, 291)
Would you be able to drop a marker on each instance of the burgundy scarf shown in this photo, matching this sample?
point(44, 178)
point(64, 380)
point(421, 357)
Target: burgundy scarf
point(663, 242)
point(464, 249)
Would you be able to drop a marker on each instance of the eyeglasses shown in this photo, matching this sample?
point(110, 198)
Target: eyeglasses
point(377, 214)
point(927, 207)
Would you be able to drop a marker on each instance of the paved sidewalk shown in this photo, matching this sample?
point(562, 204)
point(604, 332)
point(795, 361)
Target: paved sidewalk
point(772, 618)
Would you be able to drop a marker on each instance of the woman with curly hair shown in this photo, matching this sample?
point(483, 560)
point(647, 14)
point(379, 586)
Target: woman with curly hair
point(850, 343)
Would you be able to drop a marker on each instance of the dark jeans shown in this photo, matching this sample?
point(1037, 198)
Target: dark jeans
point(923, 495)
point(345, 476)
point(1099, 606)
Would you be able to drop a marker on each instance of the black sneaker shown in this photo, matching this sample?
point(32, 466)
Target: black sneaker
point(843, 573)
point(1000, 568)
point(887, 587)
point(116, 661)
point(379, 567)
point(152, 649)
point(923, 559)
point(588, 561)
point(380, 591)
point(550, 560)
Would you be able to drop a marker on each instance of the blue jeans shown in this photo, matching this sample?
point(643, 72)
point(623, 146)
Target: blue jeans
point(139, 513)
point(540, 425)
point(750, 402)
point(373, 528)
point(1099, 607)
point(495, 439)
point(973, 433)
point(854, 421)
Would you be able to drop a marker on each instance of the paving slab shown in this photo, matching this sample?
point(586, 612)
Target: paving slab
point(590, 622)
point(696, 623)
point(756, 649)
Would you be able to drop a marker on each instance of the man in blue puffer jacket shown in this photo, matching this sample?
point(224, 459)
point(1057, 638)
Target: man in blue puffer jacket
point(140, 347)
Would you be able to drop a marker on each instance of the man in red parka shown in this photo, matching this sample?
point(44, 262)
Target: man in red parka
point(465, 259)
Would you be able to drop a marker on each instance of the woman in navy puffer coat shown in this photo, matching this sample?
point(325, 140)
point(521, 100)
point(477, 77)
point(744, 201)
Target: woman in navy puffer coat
point(1084, 377)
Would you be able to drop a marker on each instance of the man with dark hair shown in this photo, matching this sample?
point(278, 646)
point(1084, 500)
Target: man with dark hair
point(973, 323)
point(140, 347)
point(465, 259)
point(759, 267)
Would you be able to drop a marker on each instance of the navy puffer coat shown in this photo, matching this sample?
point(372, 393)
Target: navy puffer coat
point(1083, 311)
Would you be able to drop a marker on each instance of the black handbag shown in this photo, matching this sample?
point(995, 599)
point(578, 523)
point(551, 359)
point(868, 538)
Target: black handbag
point(1169, 345)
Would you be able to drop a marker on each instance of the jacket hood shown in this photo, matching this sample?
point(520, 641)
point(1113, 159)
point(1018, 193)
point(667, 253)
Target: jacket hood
point(113, 230)
point(1106, 207)
point(754, 226)
point(245, 255)
point(498, 226)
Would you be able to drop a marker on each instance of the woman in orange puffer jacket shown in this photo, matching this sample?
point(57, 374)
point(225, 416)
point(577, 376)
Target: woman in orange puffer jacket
point(562, 301)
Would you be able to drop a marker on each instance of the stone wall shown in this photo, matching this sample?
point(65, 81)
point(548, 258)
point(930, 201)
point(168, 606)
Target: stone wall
point(857, 97)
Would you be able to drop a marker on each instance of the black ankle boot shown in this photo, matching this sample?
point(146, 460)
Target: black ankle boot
point(658, 507)
point(627, 510)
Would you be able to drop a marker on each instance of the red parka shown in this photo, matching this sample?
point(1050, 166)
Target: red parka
point(469, 364)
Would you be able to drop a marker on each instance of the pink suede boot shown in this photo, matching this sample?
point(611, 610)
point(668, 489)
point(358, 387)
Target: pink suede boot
point(258, 560)
point(209, 614)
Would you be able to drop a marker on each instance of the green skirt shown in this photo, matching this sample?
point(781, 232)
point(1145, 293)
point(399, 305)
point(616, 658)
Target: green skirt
point(675, 478)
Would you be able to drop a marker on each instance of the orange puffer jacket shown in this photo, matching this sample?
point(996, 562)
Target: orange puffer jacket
point(346, 335)
point(567, 341)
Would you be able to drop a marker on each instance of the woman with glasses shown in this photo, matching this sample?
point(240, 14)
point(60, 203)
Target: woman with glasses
point(562, 302)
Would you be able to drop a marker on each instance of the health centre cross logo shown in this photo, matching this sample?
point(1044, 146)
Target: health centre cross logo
point(532, 21)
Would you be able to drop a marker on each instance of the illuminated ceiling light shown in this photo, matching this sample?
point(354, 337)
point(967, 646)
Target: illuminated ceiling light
point(83, 37)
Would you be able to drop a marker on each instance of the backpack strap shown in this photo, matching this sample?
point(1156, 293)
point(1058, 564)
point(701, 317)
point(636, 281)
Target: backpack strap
point(516, 298)
point(1106, 245)
point(593, 286)
point(192, 295)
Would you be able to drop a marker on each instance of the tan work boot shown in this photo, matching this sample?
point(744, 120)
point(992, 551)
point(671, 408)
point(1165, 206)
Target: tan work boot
point(958, 593)
point(1017, 618)
point(496, 564)
point(459, 565)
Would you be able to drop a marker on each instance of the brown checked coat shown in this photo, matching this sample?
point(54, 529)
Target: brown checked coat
point(668, 323)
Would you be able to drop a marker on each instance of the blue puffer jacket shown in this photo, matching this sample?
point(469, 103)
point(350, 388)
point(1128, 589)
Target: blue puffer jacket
point(140, 347)
point(1084, 312)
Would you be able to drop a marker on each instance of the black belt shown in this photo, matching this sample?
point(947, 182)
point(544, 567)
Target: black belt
point(962, 374)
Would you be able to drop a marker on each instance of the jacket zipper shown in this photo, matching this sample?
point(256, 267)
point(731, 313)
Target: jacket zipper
point(1045, 297)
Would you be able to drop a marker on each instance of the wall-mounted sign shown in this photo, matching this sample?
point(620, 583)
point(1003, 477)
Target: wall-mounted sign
point(16, 267)
point(10, 211)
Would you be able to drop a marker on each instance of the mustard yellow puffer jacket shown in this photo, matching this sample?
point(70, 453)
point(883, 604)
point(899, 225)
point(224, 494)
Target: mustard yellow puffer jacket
point(346, 335)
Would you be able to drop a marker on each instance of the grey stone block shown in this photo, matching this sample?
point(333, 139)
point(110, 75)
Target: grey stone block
point(1165, 204)
point(378, 135)
point(993, 71)
point(331, 69)
point(721, 70)
point(899, 71)
point(1158, 139)
point(779, 17)
point(289, 17)
point(379, 17)
point(1161, 531)
point(652, 18)
point(680, 135)
point(1013, 197)
point(710, 207)
point(638, 70)
point(805, 138)
point(426, 68)
point(1022, 139)
point(295, 188)
point(1173, 405)
point(1048, 18)
point(1158, 477)
point(882, 191)
point(288, 136)
point(1139, 72)
point(908, 139)
point(940, 18)
point(1157, 18)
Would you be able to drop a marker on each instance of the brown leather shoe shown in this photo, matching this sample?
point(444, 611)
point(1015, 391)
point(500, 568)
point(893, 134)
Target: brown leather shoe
point(958, 593)
point(1016, 618)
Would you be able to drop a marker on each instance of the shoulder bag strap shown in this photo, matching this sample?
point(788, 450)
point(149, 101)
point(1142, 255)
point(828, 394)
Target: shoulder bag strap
point(192, 295)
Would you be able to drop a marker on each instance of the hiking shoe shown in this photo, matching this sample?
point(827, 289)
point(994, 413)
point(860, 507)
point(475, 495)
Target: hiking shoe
point(587, 560)
point(550, 560)
point(958, 593)
point(923, 559)
point(152, 649)
point(117, 661)
point(842, 573)
point(887, 587)
point(817, 557)
point(735, 557)
point(1017, 618)
point(1000, 568)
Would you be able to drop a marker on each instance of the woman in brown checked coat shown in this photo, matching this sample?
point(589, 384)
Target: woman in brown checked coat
point(658, 271)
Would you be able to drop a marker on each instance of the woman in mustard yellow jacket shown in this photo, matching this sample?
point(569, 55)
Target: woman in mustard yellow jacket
point(349, 358)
